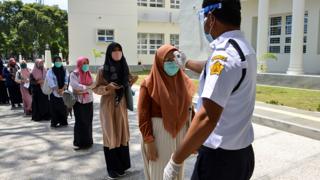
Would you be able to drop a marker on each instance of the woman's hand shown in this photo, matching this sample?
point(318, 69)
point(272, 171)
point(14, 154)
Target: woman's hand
point(40, 82)
point(113, 86)
point(151, 151)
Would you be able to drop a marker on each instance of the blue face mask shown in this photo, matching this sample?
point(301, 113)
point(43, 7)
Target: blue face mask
point(203, 13)
point(85, 68)
point(209, 37)
point(58, 64)
point(171, 68)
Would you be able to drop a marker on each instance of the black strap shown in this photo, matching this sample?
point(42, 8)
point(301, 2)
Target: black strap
point(243, 58)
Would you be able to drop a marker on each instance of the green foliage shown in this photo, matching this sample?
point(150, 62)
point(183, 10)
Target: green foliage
point(318, 108)
point(27, 28)
point(272, 102)
point(268, 56)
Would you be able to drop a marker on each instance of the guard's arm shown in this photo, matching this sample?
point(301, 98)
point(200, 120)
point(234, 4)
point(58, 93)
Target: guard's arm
point(201, 127)
point(196, 66)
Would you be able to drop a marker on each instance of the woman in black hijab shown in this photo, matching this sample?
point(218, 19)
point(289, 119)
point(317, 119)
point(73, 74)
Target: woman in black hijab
point(57, 80)
point(112, 79)
point(4, 98)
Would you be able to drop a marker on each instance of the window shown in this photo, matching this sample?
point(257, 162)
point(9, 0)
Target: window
point(280, 31)
point(275, 34)
point(174, 40)
point(156, 3)
point(142, 43)
point(142, 3)
point(149, 43)
point(105, 35)
point(155, 41)
point(175, 4)
point(288, 28)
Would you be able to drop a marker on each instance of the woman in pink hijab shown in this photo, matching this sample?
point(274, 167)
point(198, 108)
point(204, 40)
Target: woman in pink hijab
point(40, 101)
point(81, 82)
point(23, 78)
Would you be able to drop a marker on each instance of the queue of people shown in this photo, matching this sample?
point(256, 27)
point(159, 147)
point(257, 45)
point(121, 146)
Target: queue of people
point(220, 130)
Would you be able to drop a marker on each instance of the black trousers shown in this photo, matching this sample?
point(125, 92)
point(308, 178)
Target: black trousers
point(58, 111)
point(117, 159)
point(220, 164)
point(83, 124)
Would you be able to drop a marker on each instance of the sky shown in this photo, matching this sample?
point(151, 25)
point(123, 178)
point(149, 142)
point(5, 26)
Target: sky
point(63, 4)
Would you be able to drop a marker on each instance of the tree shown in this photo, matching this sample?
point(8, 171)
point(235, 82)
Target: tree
point(27, 28)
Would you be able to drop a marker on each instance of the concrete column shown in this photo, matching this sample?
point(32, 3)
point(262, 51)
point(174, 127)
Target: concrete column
point(296, 55)
point(262, 35)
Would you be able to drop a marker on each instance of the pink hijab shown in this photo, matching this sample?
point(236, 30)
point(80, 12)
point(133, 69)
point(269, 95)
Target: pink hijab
point(37, 72)
point(25, 73)
point(85, 77)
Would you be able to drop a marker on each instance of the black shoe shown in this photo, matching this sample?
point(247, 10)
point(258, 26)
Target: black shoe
point(112, 175)
point(54, 125)
point(121, 174)
point(19, 105)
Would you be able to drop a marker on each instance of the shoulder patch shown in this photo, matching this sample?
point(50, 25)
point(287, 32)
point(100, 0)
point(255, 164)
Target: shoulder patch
point(216, 68)
point(219, 57)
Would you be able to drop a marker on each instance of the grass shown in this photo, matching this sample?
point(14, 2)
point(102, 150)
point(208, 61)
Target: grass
point(298, 98)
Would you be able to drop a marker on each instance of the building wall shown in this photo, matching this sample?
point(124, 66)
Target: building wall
point(153, 20)
point(162, 28)
point(86, 16)
point(284, 7)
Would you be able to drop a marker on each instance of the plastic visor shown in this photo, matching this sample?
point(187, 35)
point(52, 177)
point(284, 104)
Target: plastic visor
point(204, 11)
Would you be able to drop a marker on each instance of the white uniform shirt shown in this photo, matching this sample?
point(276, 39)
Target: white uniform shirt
point(234, 129)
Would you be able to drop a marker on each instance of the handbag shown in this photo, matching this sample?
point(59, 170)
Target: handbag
point(129, 97)
point(68, 97)
point(45, 87)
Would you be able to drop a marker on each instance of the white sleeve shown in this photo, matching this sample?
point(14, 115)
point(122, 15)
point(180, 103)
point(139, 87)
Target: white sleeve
point(51, 82)
point(218, 87)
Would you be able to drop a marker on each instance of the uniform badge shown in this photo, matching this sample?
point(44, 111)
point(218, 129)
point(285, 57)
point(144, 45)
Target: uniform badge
point(219, 57)
point(216, 68)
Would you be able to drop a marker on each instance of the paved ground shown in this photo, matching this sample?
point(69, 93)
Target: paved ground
point(32, 150)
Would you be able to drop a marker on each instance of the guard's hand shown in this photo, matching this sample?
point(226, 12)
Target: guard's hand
point(151, 151)
point(181, 58)
point(171, 171)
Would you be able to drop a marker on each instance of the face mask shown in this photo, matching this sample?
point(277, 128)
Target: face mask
point(23, 66)
point(208, 36)
point(58, 64)
point(171, 68)
point(85, 68)
point(204, 12)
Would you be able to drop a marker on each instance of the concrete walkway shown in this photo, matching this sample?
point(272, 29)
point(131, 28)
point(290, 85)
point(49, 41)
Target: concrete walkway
point(32, 150)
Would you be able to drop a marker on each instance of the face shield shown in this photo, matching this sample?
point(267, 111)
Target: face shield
point(203, 13)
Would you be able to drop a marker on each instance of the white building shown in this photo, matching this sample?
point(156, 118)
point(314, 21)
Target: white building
point(140, 26)
point(290, 29)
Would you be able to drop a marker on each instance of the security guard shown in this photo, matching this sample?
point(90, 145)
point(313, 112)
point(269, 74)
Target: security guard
point(221, 130)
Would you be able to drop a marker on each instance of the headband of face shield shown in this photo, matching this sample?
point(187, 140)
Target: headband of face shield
point(203, 17)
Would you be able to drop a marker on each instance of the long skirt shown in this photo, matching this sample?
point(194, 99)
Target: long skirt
point(15, 94)
point(27, 100)
point(4, 98)
point(166, 145)
point(40, 105)
point(83, 124)
point(117, 159)
point(58, 111)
